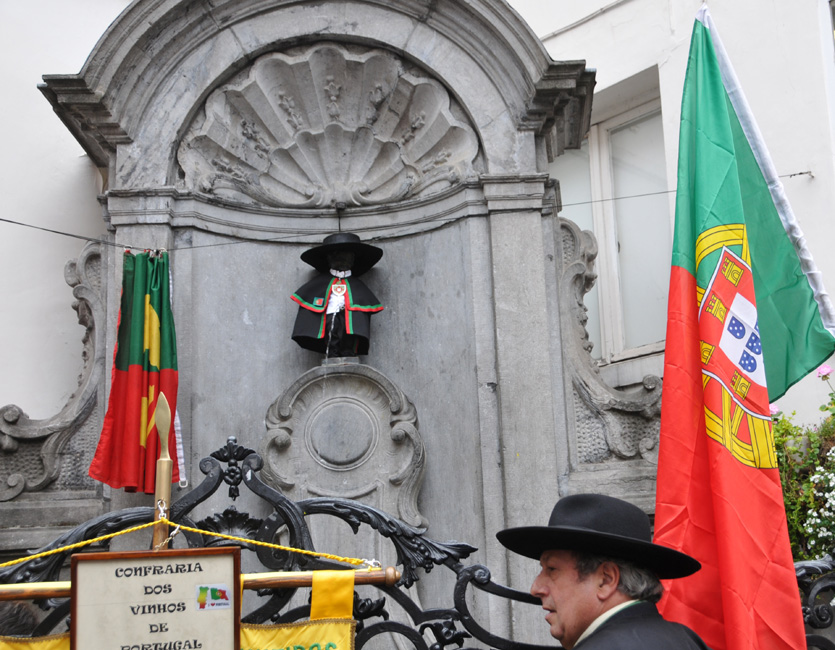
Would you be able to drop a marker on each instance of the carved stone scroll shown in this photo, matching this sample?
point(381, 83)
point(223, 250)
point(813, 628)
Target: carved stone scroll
point(32, 451)
point(612, 424)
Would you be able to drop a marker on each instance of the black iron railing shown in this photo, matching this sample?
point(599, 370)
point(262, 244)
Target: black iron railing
point(236, 466)
point(449, 624)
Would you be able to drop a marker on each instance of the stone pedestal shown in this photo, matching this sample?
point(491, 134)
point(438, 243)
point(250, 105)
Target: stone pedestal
point(344, 430)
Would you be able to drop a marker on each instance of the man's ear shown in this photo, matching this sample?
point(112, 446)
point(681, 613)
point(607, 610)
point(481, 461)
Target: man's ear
point(608, 578)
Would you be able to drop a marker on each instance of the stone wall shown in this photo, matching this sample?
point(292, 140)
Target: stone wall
point(239, 134)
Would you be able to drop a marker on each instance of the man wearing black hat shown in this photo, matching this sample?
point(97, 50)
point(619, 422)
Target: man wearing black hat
point(335, 308)
point(599, 580)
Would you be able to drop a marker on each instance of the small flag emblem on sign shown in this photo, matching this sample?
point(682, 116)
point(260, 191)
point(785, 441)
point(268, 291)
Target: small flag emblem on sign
point(213, 597)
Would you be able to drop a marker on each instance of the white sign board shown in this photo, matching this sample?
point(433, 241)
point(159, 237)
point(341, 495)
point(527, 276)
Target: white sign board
point(167, 600)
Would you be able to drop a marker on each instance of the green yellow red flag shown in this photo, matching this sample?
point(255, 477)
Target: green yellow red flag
point(144, 365)
point(747, 318)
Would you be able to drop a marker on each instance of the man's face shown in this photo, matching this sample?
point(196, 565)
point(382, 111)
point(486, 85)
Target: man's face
point(572, 604)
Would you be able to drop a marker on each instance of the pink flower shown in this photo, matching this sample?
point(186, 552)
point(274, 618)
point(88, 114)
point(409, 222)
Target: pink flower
point(824, 371)
point(774, 409)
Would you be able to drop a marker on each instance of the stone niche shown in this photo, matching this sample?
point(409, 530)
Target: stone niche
point(237, 134)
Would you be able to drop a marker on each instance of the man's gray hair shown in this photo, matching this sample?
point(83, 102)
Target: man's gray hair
point(635, 581)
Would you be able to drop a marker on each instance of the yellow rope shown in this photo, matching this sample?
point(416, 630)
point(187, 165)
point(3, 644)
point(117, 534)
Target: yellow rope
point(69, 547)
point(163, 520)
point(348, 560)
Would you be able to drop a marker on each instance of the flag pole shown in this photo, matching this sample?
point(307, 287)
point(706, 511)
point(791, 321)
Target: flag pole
point(271, 580)
point(165, 467)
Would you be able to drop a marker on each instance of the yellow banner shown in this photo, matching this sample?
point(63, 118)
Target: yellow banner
point(55, 642)
point(334, 634)
point(310, 635)
point(330, 626)
point(332, 595)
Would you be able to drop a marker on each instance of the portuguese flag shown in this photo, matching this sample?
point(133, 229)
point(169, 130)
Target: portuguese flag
point(747, 318)
point(144, 365)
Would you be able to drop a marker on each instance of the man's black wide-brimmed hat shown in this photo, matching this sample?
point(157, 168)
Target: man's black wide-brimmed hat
point(600, 525)
point(365, 255)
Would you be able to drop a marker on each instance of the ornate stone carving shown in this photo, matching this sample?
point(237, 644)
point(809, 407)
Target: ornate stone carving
point(611, 423)
point(345, 430)
point(559, 109)
point(31, 451)
point(327, 124)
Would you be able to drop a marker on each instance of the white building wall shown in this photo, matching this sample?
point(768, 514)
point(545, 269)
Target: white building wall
point(45, 180)
point(782, 51)
point(784, 56)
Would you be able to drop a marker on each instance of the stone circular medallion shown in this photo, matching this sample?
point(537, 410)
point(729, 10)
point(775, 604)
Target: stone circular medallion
point(340, 434)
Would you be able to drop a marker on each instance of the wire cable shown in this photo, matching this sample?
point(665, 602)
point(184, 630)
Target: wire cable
point(440, 220)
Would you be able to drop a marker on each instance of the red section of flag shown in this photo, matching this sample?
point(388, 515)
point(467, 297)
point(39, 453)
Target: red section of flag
point(727, 515)
point(121, 461)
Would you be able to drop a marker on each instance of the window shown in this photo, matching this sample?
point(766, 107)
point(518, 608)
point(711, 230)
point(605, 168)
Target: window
point(616, 186)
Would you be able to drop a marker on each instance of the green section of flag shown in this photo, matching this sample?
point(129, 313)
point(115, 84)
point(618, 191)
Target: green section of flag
point(721, 184)
point(146, 336)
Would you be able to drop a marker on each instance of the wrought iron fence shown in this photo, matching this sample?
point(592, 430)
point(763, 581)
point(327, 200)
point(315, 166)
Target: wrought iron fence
point(451, 623)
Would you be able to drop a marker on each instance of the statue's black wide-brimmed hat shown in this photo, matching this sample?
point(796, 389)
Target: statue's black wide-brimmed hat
point(365, 255)
point(600, 525)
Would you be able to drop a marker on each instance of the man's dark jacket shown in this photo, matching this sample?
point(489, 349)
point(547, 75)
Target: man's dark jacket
point(640, 627)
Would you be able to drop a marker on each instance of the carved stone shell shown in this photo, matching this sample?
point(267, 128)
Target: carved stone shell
point(327, 125)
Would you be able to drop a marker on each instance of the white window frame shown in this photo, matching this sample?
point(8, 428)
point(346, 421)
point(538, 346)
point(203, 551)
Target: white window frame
point(612, 337)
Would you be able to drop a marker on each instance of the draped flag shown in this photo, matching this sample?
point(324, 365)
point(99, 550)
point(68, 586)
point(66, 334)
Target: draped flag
point(747, 318)
point(144, 365)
